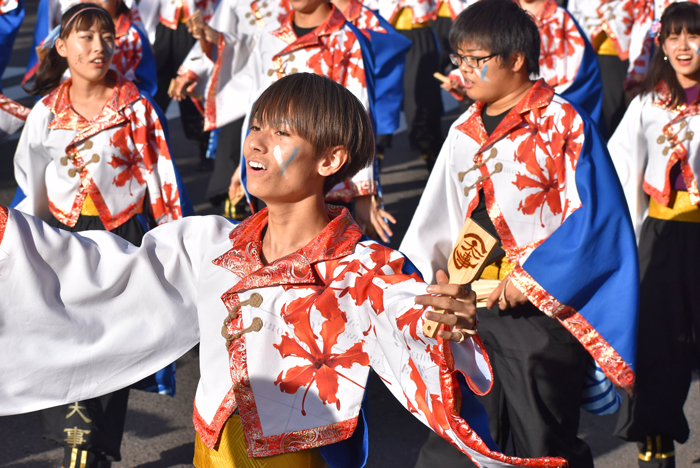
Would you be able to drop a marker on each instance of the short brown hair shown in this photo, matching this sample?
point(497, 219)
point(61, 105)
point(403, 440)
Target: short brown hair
point(323, 113)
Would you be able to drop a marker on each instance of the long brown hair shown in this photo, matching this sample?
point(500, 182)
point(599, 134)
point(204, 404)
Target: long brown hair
point(677, 18)
point(53, 66)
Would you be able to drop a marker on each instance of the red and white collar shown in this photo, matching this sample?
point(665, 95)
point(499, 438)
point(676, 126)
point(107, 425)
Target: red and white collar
point(338, 239)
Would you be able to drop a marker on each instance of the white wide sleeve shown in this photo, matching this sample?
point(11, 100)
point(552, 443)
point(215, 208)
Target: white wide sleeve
point(149, 10)
point(86, 314)
point(12, 117)
point(424, 373)
point(628, 150)
point(31, 161)
point(235, 75)
point(439, 217)
point(197, 66)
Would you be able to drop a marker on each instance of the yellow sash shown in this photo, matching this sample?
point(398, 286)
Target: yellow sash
point(231, 453)
point(681, 208)
point(444, 10)
point(404, 21)
point(89, 208)
point(497, 270)
point(603, 45)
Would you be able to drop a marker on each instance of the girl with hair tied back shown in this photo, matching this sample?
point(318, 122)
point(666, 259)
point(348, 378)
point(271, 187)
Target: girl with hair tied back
point(93, 156)
point(655, 151)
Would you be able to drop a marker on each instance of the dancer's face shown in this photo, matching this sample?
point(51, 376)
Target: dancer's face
point(484, 75)
point(682, 52)
point(89, 52)
point(284, 167)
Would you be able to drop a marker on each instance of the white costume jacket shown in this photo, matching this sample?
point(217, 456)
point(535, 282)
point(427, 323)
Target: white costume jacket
point(562, 47)
point(117, 158)
point(326, 313)
point(542, 197)
point(626, 22)
point(238, 20)
point(12, 116)
point(650, 140)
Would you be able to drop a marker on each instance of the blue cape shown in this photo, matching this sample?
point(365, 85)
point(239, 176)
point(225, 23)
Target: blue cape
point(595, 251)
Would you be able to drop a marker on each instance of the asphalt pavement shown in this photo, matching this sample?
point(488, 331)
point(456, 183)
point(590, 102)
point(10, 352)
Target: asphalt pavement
point(159, 431)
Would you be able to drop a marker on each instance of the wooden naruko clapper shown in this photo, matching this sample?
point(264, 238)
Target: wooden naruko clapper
point(473, 248)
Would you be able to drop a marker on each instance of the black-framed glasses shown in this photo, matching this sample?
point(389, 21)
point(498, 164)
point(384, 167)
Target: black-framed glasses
point(470, 60)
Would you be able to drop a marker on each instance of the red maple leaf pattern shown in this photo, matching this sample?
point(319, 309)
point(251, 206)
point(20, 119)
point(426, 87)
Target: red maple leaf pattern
point(547, 186)
point(127, 53)
point(410, 319)
point(168, 204)
point(322, 361)
point(365, 287)
point(435, 412)
point(560, 40)
point(131, 160)
point(543, 141)
point(339, 62)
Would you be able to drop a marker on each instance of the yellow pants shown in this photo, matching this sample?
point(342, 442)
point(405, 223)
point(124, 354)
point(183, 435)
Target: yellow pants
point(231, 453)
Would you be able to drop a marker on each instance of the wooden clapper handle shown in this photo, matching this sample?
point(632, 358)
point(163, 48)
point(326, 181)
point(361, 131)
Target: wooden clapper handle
point(473, 248)
point(440, 77)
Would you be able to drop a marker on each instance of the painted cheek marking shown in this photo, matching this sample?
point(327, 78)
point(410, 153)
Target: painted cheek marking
point(285, 164)
point(483, 73)
point(277, 153)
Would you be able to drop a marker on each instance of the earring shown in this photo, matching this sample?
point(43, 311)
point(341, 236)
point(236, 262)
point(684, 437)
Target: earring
point(665, 58)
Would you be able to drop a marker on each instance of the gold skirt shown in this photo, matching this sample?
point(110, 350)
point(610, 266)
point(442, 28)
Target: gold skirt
point(231, 453)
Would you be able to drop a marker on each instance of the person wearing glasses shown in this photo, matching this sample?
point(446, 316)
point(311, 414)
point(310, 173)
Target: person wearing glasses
point(567, 60)
point(532, 170)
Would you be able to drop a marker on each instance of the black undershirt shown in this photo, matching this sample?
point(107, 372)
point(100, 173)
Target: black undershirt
point(301, 31)
point(491, 121)
point(480, 215)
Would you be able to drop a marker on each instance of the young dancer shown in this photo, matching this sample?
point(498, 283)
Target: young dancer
point(133, 56)
point(567, 60)
point(526, 166)
point(656, 155)
point(93, 156)
point(290, 307)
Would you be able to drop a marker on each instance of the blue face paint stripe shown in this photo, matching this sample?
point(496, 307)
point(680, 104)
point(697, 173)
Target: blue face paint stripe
point(285, 164)
point(483, 72)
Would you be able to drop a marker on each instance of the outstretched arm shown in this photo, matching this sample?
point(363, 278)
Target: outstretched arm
point(85, 314)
